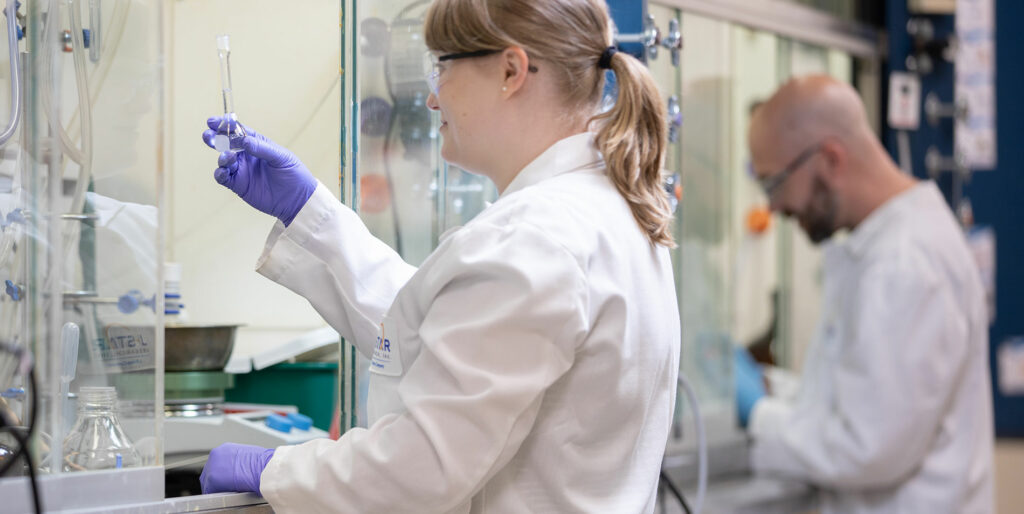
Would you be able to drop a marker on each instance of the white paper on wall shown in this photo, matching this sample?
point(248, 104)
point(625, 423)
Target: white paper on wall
point(975, 136)
point(1011, 367)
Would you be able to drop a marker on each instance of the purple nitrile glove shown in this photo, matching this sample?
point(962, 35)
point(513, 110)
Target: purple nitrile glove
point(235, 468)
point(266, 175)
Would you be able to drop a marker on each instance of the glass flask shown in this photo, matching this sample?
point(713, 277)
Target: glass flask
point(97, 440)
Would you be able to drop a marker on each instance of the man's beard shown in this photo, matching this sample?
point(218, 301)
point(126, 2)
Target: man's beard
point(821, 221)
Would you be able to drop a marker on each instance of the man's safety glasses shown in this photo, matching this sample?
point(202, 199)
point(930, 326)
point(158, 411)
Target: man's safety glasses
point(771, 183)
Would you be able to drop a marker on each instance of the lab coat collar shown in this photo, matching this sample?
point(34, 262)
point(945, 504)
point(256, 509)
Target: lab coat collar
point(861, 238)
point(569, 154)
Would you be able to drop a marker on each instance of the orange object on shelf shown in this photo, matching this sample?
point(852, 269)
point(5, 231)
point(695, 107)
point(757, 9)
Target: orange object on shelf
point(759, 220)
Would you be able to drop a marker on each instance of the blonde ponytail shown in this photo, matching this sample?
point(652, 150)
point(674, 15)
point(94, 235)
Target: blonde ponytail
point(632, 138)
point(572, 34)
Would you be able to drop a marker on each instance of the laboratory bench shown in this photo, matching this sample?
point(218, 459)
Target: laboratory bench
point(732, 487)
point(223, 502)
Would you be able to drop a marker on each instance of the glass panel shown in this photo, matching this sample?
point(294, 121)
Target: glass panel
point(81, 185)
point(799, 260)
point(744, 275)
point(404, 192)
point(401, 188)
point(703, 258)
point(755, 62)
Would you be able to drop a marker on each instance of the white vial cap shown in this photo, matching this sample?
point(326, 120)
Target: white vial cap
point(223, 43)
point(172, 272)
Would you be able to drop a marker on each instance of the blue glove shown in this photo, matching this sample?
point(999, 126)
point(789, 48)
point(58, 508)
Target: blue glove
point(267, 176)
point(749, 383)
point(235, 468)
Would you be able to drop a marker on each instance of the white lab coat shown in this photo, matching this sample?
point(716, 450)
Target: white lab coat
point(895, 412)
point(529, 365)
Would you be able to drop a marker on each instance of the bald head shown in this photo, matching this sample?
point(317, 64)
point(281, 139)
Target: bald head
point(820, 162)
point(807, 109)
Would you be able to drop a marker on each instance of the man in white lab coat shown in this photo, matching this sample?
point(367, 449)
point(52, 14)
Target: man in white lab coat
point(894, 413)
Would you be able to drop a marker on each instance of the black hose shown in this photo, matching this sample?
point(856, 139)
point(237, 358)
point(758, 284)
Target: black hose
point(23, 441)
point(36, 503)
point(675, 492)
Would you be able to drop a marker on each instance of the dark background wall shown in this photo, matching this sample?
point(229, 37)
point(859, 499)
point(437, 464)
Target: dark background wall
point(995, 195)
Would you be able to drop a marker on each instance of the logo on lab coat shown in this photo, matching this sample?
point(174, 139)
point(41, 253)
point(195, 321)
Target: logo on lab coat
point(386, 358)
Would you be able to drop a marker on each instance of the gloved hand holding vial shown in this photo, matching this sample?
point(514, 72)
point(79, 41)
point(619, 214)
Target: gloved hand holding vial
point(230, 132)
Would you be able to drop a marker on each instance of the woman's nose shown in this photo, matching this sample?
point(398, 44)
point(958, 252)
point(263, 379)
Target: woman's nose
point(432, 102)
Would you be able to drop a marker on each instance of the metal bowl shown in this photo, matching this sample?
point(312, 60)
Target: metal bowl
point(198, 348)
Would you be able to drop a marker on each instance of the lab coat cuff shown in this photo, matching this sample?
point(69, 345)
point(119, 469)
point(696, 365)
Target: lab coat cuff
point(273, 474)
point(767, 424)
point(768, 416)
point(276, 256)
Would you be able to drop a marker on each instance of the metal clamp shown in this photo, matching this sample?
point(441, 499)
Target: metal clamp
point(81, 217)
point(126, 303)
point(80, 296)
point(21, 216)
point(936, 163)
point(926, 47)
point(673, 190)
point(935, 110)
point(649, 38)
point(675, 118)
point(673, 40)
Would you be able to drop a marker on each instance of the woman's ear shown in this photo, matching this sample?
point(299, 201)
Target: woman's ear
point(515, 65)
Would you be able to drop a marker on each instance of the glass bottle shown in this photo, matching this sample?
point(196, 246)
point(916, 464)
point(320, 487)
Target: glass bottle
point(97, 440)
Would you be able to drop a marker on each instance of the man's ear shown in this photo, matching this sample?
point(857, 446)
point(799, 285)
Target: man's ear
point(836, 157)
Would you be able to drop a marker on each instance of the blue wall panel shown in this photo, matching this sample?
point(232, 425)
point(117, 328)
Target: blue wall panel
point(629, 18)
point(995, 195)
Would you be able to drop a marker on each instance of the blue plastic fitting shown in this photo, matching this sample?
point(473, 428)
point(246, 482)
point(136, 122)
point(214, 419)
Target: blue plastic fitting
point(279, 423)
point(300, 421)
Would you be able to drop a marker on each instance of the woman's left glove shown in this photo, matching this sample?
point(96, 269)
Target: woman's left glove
point(267, 176)
point(235, 468)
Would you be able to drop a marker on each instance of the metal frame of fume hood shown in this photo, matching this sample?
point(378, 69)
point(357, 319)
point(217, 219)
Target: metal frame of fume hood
point(795, 21)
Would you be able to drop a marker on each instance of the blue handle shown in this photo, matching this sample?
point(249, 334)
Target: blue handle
point(300, 421)
point(279, 423)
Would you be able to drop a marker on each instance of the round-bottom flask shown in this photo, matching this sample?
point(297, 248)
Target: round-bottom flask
point(97, 440)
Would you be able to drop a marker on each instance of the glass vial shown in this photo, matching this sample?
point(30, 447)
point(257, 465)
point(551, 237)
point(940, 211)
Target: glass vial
point(97, 440)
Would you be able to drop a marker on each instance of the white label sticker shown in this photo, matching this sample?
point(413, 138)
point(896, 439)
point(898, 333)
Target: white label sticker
point(904, 101)
point(1011, 367)
point(387, 357)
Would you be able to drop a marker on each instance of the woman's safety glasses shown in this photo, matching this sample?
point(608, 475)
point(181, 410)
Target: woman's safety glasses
point(433, 65)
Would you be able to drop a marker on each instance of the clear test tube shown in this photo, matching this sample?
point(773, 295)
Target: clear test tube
point(224, 54)
point(231, 132)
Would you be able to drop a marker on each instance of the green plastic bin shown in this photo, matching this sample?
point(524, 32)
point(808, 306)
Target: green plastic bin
point(310, 386)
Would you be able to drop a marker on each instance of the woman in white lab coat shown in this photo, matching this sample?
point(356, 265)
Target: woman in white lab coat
point(530, 363)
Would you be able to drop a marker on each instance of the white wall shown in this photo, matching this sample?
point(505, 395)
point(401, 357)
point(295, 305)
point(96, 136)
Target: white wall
point(285, 59)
